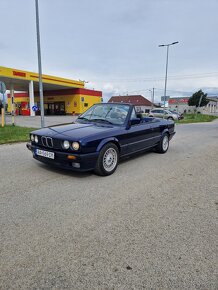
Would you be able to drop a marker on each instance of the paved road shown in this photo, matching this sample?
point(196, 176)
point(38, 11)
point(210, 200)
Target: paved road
point(35, 122)
point(151, 225)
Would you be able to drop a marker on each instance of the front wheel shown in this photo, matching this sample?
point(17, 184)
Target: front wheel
point(107, 160)
point(163, 145)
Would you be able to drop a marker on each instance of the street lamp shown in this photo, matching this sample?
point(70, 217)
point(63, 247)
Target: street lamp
point(165, 87)
point(39, 66)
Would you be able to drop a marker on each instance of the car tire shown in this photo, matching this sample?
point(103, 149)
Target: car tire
point(163, 145)
point(170, 118)
point(108, 160)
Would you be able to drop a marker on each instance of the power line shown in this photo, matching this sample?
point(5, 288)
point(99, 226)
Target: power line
point(172, 77)
point(168, 90)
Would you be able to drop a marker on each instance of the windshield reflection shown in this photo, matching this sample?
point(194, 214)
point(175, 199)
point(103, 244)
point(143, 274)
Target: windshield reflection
point(114, 114)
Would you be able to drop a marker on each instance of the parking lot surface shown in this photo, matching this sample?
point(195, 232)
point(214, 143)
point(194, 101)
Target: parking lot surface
point(150, 225)
point(35, 122)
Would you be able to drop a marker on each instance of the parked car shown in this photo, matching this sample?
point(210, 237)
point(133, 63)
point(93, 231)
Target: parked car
point(99, 138)
point(163, 113)
point(180, 115)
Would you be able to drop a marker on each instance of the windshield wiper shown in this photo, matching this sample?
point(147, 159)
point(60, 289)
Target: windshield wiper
point(102, 120)
point(83, 118)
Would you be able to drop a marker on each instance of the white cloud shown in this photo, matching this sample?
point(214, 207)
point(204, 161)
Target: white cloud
point(114, 44)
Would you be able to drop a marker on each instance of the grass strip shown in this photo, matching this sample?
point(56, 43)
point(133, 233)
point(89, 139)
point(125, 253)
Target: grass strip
point(11, 134)
point(196, 118)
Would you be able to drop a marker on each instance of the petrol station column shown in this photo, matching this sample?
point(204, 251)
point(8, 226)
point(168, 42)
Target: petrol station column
point(31, 97)
point(12, 103)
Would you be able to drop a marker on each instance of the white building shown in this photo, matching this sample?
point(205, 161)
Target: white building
point(180, 104)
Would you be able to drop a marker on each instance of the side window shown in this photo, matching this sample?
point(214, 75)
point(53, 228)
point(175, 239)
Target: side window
point(133, 115)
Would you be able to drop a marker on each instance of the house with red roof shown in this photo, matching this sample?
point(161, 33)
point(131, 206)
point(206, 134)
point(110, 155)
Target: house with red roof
point(141, 103)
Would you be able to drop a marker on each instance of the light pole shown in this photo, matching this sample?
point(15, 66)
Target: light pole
point(165, 86)
point(39, 66)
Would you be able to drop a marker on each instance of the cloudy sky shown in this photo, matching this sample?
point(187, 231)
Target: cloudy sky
point(113, 44)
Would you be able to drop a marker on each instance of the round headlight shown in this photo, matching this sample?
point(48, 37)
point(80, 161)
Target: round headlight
point(66, 144)
point(32, 138)
point(36, 139)
point(75, 145)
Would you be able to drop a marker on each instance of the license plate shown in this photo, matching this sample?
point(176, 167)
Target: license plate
point(44, 153)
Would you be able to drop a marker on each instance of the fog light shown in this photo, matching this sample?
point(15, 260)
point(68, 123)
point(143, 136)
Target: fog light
point(76, 164)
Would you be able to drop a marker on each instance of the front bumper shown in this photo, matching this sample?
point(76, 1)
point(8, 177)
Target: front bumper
point(171, 135)
point(86, 161)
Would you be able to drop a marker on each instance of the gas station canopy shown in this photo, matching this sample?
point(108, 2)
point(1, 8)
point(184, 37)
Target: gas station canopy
point(61, 96)
point(20, 80)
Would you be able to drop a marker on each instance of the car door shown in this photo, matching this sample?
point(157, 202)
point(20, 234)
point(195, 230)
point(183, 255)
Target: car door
point(139, 136)
point(160, 114)
point(155, 131)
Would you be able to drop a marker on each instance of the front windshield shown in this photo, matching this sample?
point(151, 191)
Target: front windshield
point(114, 114)
point(174, 112)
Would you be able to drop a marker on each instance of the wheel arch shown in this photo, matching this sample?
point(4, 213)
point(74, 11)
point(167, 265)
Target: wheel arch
point(108, 140)
point(166, 131)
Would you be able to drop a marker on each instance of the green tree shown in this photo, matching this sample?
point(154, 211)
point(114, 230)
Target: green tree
point(196, 97)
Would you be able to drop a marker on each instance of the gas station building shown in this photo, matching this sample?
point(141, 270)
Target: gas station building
point(61, 96)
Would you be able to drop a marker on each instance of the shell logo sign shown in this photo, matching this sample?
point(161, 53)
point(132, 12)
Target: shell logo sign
point(19, 74)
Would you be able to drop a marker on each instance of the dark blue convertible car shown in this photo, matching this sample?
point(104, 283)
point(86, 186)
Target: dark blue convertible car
point(99, 138)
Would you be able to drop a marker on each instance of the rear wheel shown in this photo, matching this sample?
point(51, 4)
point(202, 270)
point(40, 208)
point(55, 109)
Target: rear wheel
point(107, 160)
point(170, 118)
point(163, 145)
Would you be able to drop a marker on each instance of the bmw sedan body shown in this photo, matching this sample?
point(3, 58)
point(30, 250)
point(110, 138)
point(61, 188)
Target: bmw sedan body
point(99, 138)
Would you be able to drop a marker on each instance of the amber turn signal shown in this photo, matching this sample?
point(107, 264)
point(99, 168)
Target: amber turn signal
point(71, 157)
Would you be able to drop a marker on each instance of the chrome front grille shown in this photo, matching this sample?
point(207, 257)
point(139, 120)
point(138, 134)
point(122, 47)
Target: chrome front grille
point(47, 141)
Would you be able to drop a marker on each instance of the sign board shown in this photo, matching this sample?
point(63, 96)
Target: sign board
point(34, 108)
point(166, 99)
point(2, 88)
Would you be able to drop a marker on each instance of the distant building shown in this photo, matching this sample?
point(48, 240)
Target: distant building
point(61, 96)
point(212, 106)
point(141, 104)
point(180, 104)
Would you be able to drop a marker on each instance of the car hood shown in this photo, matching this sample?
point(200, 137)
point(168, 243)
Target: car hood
point(75, 131)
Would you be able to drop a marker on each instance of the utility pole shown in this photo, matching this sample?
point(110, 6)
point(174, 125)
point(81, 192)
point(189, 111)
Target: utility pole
point(199, 103)
point(152, 98)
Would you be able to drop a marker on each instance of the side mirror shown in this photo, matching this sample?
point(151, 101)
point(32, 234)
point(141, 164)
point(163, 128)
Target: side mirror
point(133, 122)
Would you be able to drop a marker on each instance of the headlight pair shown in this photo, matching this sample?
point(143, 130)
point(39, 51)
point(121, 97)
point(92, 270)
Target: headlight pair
point(75, 145)
point(34, 138)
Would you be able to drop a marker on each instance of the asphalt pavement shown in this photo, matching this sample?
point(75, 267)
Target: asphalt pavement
point(150, 225)
point(35, 121)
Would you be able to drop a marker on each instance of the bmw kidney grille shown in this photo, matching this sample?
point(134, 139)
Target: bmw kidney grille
point(47, 141)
